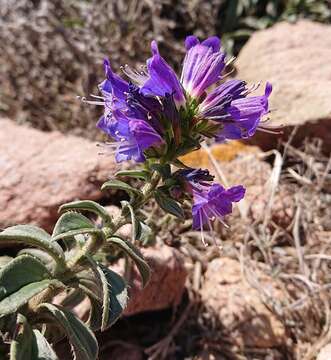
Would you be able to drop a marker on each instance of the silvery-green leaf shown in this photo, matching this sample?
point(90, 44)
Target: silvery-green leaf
point(72, 233)
point(71, 221)
point(115, 294)
point(164, 170)
point(137, 174)
point(40, 255)
point(34, 236)
point(20, 297)
point(145, 234)
point(83, 342)
point(21, 346)
point(169, 205)
point(134, 254)
point(95, 317)
point(41, 349)
point(87, 205)
point(21, 271)
point(120, 185)
point(134, 221)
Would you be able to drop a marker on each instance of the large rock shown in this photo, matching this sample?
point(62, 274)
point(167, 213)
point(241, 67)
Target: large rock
point(40, 171)
point(239, 307)
point(295, 58)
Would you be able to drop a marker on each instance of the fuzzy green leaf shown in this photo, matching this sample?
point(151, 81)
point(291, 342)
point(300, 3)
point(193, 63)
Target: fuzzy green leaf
point(21, 346)
point(81, 338)
point(115, 294)
point(120, 185)
point(134, 220)
point(135, 255)
point(169, 205)
point(163, 169)
point(95, 317)
point(72, 233)
point(137, 174)
point(34, 236)
point(145, 233)
point(40, 255)
point(71, 221)
point(19, 272)
point(87, 205)
point(118, 296)
point(41, 349)
point(14, 301)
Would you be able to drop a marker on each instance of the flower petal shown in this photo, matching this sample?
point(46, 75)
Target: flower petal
point(162, 79)
point(202, 66)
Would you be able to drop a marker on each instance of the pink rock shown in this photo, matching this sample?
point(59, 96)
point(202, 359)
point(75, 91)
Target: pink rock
point(239, 307)
point(166, 286)
point(40, 171)
point(295, 58)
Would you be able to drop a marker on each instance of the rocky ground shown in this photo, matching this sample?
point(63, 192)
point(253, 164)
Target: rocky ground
point(264, 293)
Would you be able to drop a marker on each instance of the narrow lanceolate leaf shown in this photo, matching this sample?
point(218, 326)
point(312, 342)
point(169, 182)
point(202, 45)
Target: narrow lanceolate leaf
point(120, 185)
point(87, 205)
point(41, 349)
point(21, 271)
point(41, 255)
point(95, 317)
point(145, 234)
point(33, 236)
point(118, 296)
point(137, 174)
point(72, 233)
point(134, 254)
point(83, 342)
point(71, 221)
point(169, 205)
point(115, 294)
point(21, 346)
point(134, 220)
point(20, 297)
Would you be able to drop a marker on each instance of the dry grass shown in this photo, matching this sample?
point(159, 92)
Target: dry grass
point(295, 253)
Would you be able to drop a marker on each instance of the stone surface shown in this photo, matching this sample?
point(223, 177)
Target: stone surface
point(40, 171)
point(325, 353)
point(295, 58)
point(166, 286)
point(238, 306)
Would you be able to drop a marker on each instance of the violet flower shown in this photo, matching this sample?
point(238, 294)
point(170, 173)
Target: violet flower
point(210, 201)
point(238, 115)
point(203, 65)
point(131, 137)
point(180, 112)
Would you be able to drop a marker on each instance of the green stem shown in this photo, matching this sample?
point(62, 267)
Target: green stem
point(93, 244)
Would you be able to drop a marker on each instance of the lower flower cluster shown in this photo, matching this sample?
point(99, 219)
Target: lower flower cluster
point(155, 117)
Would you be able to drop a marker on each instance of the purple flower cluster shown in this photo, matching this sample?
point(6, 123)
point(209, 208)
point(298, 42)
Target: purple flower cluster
point(157, 109)
point(210, 201)
point(156, 114)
